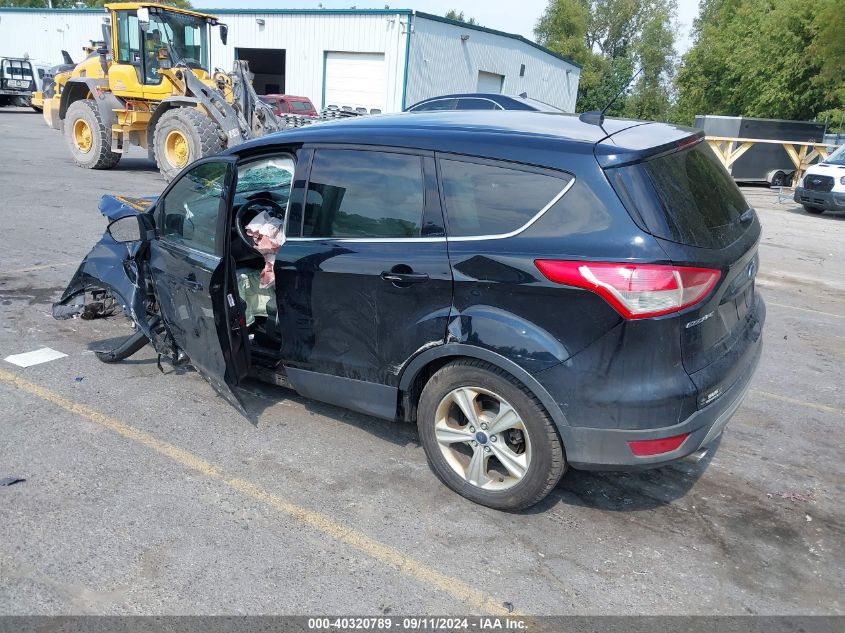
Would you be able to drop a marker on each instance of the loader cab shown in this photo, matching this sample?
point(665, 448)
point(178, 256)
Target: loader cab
point(150, 38)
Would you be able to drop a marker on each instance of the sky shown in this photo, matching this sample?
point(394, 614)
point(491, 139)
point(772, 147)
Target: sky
point(495, 14)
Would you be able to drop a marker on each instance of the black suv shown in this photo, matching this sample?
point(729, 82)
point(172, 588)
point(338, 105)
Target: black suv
point(534, 291)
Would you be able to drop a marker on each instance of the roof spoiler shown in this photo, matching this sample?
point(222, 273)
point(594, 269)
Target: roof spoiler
point(592, 117)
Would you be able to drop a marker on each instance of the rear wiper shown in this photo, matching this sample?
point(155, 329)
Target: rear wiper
point(747, 216)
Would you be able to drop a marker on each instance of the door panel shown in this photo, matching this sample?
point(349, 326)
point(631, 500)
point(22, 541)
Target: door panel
point(340, 317)
point(193, 282)
point(359, 306)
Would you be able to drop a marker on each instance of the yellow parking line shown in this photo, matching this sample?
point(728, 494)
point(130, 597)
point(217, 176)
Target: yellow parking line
point(800, 403)
point(386, 554)
point(31, 269)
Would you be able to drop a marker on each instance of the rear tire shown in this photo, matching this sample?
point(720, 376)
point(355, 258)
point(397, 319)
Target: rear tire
point(88, 137)
point(503, 408)
point(183, 135)
point(813, 210)
point(778, 179)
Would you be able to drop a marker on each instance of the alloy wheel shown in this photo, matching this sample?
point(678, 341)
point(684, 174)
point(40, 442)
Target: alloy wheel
point(482, 438)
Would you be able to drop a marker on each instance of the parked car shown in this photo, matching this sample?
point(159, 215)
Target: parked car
point(536, 292)
point(481, 101)
point(822, 188)
point(290, 104)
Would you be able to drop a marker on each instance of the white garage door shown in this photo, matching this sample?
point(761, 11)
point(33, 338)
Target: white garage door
point(356, 79)
point(490, 82)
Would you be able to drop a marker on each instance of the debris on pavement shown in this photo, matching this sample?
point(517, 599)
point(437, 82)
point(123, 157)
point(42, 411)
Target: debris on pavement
point(10, 481)
point(36, 357)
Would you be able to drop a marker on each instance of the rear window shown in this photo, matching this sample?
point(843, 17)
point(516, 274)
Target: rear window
point(301, 106)
point(685, 197)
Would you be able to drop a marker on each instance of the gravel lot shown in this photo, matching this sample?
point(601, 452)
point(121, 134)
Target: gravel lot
point(146, 493)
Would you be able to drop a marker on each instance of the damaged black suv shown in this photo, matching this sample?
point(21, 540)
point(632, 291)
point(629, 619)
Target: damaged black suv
point(533, 290)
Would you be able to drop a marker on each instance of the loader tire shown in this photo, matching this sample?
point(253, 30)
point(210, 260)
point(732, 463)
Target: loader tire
point(88, 138)
point(183, 135)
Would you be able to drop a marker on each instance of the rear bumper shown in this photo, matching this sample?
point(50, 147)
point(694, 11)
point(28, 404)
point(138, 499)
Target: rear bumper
point(829, 200)
point(607, 449)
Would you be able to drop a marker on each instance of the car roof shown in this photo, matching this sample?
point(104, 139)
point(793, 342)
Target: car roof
point(491, 96)
point(291, 97)
point(481, 133)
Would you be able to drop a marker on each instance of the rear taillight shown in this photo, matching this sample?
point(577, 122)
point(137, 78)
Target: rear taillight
point(636, 291)
point(646, 448)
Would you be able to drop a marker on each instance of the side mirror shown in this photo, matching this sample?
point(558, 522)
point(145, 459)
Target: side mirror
point(224, 34)
point(128, 229)
point(143, 14)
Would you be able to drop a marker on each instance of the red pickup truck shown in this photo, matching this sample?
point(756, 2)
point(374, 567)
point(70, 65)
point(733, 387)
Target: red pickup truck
point(290, 104)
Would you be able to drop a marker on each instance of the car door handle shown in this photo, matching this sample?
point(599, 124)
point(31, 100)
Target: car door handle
point(191, 282)
point(404, 278)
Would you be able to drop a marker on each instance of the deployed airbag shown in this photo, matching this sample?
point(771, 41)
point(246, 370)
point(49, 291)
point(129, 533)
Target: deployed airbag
point(268, 235)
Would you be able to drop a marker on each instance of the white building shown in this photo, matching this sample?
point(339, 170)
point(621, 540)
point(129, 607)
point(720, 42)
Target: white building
point(387, 59)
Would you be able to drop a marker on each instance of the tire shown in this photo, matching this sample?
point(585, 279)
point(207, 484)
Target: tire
point(813, 210)
point(37, 109)
point(542, 461)
point(199, 135)
point(88, 138)
point(778, 179)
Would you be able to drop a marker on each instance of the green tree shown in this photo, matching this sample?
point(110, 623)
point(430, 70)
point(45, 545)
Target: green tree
point(764, 58)
point(458, 16)
point(609, 39)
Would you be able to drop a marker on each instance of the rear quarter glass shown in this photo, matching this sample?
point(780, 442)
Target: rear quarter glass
point(686, 197)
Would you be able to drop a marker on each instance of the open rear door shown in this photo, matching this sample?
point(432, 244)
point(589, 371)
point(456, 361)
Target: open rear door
point(192, 275)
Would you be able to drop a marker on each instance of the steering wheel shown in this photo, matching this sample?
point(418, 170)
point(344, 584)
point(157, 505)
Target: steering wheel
point(257, 205)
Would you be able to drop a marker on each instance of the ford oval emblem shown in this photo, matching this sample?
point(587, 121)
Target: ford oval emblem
point(752, 268)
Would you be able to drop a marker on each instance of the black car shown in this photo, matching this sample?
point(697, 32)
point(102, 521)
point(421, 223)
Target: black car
point(481, 101)
point(534, 291)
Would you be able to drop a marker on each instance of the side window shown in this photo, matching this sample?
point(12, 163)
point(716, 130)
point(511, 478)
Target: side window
point(483, 199)
point(283, 105)
point(439, 104)
point(476, 104)
point(128, 39)
point(190, 210)
point(356, 193)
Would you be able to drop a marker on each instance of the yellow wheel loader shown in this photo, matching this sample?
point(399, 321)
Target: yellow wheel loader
point(149, 83)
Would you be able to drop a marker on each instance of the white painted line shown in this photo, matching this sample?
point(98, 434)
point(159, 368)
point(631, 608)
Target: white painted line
point(28, 359)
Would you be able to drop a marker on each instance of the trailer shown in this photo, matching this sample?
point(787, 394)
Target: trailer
point(762, 162)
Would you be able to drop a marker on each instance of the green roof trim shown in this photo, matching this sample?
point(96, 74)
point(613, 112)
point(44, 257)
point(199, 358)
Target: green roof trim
point(246, 11)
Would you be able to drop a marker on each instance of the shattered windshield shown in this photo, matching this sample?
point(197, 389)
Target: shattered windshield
point(186, 36)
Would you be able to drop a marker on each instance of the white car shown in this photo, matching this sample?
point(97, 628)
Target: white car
point(823, 186)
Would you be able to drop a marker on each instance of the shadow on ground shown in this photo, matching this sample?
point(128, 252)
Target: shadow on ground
point(611, 491)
